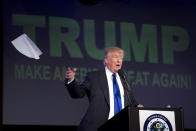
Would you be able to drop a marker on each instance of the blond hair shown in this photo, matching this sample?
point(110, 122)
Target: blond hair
point(112, 49)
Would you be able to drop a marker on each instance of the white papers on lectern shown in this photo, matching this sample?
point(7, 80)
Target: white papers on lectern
point(26, 46)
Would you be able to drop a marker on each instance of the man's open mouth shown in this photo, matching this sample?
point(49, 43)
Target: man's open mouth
point(117, 65)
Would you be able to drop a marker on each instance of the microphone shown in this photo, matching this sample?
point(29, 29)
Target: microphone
point(122, 74)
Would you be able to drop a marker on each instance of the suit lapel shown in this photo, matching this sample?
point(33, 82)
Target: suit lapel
point(104, 86)
point(105, 89)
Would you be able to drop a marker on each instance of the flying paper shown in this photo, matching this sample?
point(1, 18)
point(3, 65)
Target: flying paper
point(26, 46)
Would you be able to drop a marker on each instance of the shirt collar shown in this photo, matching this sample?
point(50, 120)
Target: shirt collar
point(109, 72)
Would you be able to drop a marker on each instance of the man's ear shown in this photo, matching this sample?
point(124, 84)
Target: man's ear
point(105, 61)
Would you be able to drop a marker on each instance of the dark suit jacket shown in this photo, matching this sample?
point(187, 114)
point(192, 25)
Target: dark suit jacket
point(95, 86)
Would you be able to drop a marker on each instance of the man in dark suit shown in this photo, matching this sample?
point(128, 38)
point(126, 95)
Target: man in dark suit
point(99, 88)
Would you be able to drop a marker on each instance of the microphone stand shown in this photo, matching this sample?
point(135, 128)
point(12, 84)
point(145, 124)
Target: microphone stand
point(122, 74)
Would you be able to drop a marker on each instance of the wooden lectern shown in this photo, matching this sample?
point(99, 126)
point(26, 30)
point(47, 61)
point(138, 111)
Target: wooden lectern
point(145, 118)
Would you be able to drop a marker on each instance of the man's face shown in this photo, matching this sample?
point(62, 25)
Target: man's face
point(113, 61)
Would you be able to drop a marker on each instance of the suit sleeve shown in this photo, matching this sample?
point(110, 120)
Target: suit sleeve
point(131, 93)
point(77, 90)
point(133, 100)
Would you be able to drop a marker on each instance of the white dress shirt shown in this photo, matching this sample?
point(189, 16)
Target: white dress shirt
point(111, 93)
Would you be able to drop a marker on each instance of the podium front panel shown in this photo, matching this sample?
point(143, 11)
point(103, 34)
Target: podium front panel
point(146, 119)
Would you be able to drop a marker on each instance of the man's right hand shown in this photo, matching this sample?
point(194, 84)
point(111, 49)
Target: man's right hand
point(70, 74)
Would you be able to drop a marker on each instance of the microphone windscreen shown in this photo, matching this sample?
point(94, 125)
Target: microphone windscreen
point(121, 72)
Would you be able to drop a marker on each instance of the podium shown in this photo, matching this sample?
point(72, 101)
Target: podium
point(146, 119)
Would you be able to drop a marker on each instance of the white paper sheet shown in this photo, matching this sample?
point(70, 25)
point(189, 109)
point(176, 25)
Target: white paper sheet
point(26, 46)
